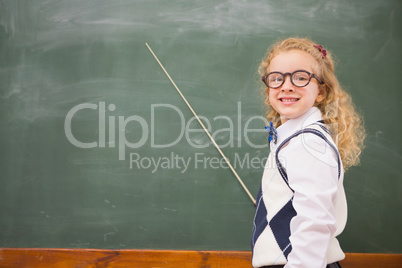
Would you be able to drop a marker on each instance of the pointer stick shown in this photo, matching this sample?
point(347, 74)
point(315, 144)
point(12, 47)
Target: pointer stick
point(202, 125)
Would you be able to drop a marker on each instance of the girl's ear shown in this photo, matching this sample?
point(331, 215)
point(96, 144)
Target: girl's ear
point(322, 91)
point(267, 99)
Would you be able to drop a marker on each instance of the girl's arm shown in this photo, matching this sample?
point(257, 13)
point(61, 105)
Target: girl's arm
point(314, 179)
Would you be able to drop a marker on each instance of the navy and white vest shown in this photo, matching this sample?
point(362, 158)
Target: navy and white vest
point(274, 210)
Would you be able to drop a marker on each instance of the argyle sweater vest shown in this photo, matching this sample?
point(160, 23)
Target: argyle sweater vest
point(274, 210)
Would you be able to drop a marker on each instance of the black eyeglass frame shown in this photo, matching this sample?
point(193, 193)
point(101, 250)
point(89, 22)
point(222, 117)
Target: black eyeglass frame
point(311, 75)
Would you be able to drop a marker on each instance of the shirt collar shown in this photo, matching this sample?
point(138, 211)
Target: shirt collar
point(292, 125)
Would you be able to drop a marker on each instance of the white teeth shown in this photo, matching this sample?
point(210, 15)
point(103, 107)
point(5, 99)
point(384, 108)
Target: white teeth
point(289, 100)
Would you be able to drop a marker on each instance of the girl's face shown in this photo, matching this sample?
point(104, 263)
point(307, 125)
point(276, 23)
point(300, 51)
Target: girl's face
point(288, 100)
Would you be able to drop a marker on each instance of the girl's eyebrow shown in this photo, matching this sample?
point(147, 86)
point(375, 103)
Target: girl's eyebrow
point(311, 70)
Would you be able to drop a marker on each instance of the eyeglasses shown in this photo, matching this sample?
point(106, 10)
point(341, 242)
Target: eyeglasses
point(299, 78)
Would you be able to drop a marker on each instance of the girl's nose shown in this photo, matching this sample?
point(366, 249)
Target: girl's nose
point(287, 85)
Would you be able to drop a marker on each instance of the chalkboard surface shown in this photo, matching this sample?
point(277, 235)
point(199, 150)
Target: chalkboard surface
point(98, 150)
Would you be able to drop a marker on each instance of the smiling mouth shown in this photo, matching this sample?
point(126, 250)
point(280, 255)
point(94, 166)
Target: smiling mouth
point(288, 99)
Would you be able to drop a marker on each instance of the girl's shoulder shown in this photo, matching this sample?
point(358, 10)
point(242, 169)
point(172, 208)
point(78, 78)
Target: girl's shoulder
point(311, 143)
point(316, 134)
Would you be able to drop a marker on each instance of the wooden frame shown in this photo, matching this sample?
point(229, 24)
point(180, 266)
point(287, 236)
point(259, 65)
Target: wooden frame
point(60, 258)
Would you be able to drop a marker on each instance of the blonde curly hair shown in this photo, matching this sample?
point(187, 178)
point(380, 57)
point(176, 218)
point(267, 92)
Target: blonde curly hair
point(339, 113)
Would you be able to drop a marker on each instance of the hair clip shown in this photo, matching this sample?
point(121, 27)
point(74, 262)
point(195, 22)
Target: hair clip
point(323, 51)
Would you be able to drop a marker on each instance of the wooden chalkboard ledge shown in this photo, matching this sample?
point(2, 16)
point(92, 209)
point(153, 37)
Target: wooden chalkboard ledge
point(51, 257)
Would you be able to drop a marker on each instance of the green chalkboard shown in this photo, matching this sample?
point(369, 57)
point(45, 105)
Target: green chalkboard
point(98, 150)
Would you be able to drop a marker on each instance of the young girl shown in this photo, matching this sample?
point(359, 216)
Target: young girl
point(301, 205)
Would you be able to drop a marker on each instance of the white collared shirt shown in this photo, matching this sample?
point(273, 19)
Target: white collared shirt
point(319, 199)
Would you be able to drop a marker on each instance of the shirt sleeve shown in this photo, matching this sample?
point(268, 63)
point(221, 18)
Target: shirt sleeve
point(312, 170)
